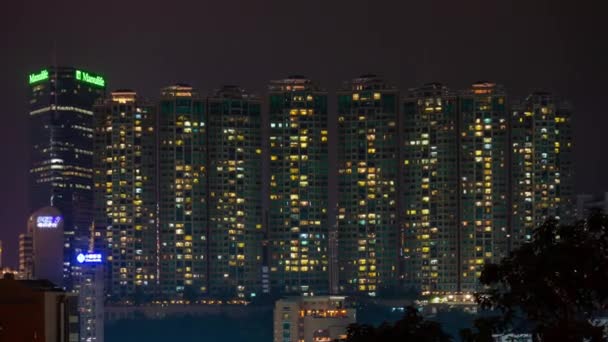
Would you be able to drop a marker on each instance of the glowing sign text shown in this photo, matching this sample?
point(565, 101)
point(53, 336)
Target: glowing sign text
point(40, 76)
point(89, 78)
point(93, 258)
point(48, 221)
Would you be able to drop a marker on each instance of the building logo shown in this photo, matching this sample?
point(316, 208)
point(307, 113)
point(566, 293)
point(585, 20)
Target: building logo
point(89, 258)
point(48, 221)
point(89, 78)
point(40, 76)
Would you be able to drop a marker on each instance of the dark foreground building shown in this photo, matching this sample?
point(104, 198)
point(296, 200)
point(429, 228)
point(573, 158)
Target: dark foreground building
point(37, 310)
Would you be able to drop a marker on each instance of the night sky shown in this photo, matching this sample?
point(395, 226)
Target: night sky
point(526, 45)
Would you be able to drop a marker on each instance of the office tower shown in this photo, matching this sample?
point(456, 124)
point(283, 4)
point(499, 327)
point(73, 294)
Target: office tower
point(483, 181)
point(588, 203)
point(235, 188)
point(312, 319)
point(182, 135)
point(297, 217)
point(125, 192)
point(429, 191)
point(26, 253)
point(61, 127)
point(37, 310)
point(368, 167)
point(542, 183)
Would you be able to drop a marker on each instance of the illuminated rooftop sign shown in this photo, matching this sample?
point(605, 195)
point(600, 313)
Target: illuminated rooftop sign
point(90, 78)
point(39, 76)
point(48, 221)
point(89, 258)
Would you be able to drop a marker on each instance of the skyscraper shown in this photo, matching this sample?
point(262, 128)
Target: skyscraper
point(126, 191)
point(455, 186)
point(297, 218)
point(429, 191)
point(541, 139)
point(182, 135)
point(235, 186)
point(368, 167)
point(483, 157)
point(61, 122)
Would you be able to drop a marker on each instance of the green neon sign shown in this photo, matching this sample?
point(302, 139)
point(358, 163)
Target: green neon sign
point(40, 76)
point(90, 78)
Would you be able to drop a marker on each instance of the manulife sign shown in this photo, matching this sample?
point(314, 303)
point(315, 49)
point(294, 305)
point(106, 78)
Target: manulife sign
point(39, 76)
point(90, 78)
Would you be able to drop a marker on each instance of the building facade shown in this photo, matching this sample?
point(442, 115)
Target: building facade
point(235, 185)
point(297, 217)
point(541, 164)
point(429, 189)
point(368, 177)
point(182, 199)
point(484, 181)
point(312, 319)
point(126, 193)
point(588, 203)
point(61, 127)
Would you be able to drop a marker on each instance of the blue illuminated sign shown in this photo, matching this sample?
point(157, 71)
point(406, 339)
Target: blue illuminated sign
point(48, 221)
point(89, 258)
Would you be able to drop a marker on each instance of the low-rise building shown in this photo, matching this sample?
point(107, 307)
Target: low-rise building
point(312, 319)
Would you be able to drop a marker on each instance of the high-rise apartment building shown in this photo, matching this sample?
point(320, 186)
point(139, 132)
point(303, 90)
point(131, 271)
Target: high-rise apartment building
point(61, 172)
point(235, 187)
point(429, 192)
point(455, 185)
point(182, 200)
point(484, 180)
point(126, 192)
point(541, 164)
point(368, 167)
point(297, 217)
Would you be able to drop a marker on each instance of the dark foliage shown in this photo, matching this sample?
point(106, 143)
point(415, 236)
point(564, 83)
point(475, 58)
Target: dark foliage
point(557, 283)
point(412, 327)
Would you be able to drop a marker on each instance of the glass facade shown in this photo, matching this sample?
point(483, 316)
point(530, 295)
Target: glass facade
point(61, 131)
point(125, 193)
point(235, 185)
point(368, 172)
point(182, 161)
point(297, 218)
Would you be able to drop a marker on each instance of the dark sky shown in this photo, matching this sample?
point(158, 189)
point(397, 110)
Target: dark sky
point(526, 45)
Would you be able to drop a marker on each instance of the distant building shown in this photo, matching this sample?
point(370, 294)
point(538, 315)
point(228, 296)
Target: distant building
point(37, 310)
point(455, 185)
point(368, 174)
point(61, 174)
point(183, 214)
point(89, 283)
point(312, 319)
point(46, 229)
point(235, 187)
point(26, 254)
point(586, 203)
point(298, 228)
point(541, 164)
point(126, 193)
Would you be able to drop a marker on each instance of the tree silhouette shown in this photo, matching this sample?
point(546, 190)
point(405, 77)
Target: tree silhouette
point(556, 284)
point(412, 327)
